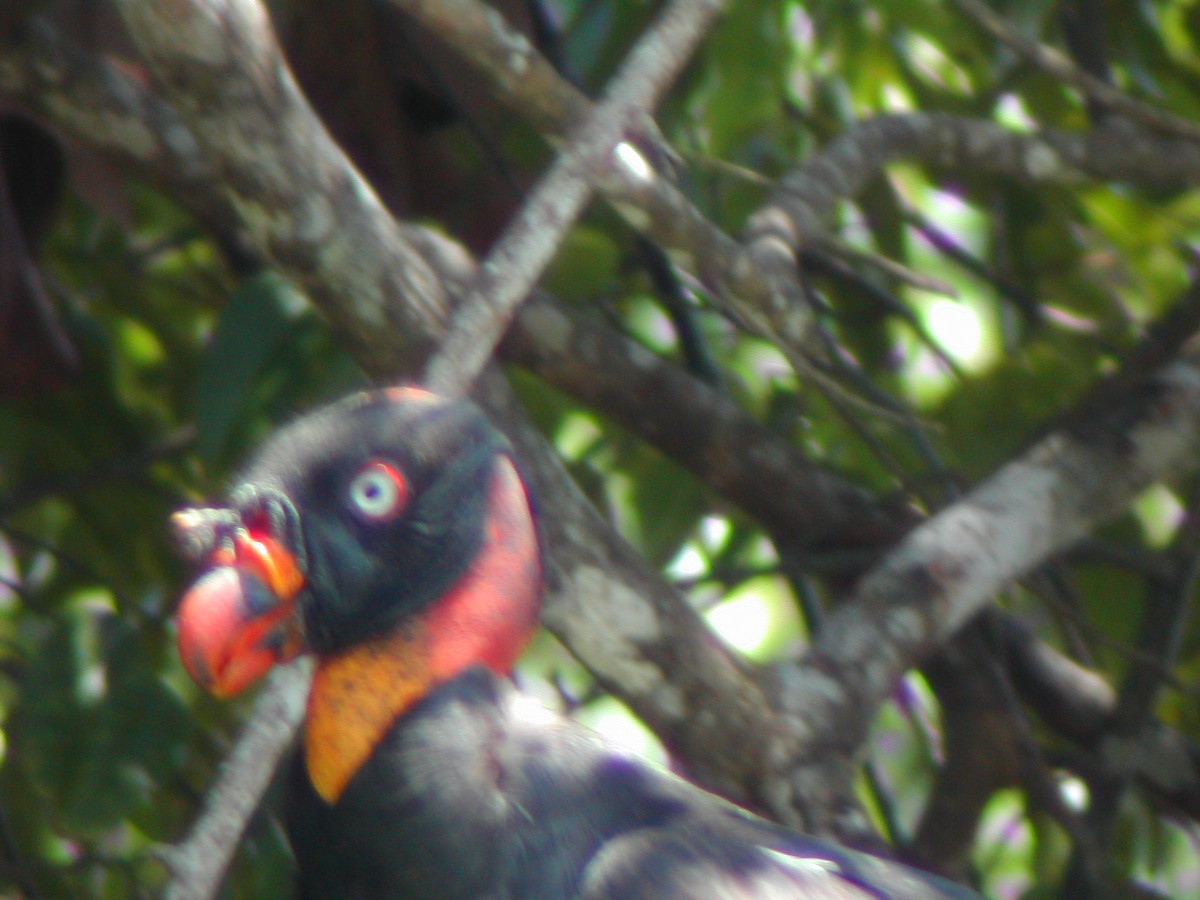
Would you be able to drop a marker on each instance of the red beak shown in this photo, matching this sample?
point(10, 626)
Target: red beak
point(239, 618)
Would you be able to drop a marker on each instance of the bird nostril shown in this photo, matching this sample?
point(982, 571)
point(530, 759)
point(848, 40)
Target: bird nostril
point(197, 531)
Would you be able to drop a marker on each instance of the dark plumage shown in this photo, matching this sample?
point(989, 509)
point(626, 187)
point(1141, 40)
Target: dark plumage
point(390, 535)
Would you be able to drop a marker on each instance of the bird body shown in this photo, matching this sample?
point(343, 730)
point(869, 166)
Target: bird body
point(482, 793)
point(391, 535)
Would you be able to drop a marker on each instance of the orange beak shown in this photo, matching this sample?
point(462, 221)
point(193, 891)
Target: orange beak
point(239, 618)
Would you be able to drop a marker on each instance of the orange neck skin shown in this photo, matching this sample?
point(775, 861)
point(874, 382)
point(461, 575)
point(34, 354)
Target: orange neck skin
point(486, 618)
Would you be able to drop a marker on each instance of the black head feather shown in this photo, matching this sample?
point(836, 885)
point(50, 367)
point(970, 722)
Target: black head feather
point(365, 577)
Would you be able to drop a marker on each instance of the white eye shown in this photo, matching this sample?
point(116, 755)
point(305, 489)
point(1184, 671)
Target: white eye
point(378, 492)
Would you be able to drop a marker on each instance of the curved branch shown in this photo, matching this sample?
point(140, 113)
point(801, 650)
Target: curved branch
point(1080, 705)
point(798, 212)
point(950, 567)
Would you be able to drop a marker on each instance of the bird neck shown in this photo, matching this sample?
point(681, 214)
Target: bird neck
point(485, 618)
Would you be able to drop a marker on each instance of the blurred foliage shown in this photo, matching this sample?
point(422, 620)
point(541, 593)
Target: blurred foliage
point(189, 358)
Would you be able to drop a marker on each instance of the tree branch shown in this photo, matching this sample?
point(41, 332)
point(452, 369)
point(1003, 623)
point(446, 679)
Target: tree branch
point(1060, 67)
point(950, 567)
point(198, 863)
point(530, 240)
point(1160, 638)
point(758, 285)
point(218, 63)
point(798, 212)
point(1078, 704)
point(802, 504)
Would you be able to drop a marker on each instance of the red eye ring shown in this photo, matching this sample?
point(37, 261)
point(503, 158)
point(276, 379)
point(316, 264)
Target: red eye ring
point(378, 493)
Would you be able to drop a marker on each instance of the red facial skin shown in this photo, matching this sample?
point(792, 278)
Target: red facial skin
point(486, 617)
point(239, 618)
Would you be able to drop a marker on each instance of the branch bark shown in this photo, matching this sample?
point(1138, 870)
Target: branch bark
point(530, 240)
point(949, 568)
point(198, 863)
point(799, 211)
point(759, 284)
point(220, 67)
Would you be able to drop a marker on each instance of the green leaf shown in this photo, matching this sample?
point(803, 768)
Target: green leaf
point(747, 85)
point(1113, 599)
point(96, 729)
point(253, 325)
point(584, 266)
point(663, 504)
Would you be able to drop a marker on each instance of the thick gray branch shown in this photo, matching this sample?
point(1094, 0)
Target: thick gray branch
point(299, 202)
point(950, 567)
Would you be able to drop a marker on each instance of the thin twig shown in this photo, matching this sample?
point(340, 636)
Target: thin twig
point(950, 246)
point(198, 862)
point(830, 246)
point(510, 271)
point(1060, 66)
point(755, 285)
point(677, 300)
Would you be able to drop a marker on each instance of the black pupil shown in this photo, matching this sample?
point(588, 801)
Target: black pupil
point(372, 490)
